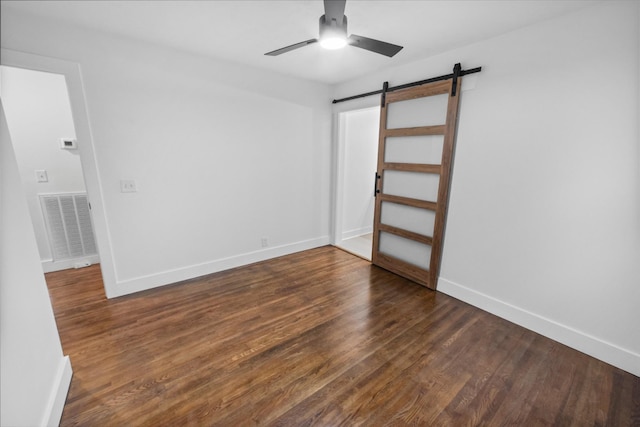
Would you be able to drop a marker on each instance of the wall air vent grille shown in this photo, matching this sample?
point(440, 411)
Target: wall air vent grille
point(69, 225)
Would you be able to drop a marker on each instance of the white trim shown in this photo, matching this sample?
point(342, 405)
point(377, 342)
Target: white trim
point(75, 87)
point(338, 177)
point(357, 232)
point(168, 277)
point(339, 147)
point(49, 265)
point(588, 344)
point(58, 396)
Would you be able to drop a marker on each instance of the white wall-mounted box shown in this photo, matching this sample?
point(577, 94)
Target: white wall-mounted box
point(68, 144)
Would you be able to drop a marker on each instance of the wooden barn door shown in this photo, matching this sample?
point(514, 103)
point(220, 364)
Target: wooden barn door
point(415, 152)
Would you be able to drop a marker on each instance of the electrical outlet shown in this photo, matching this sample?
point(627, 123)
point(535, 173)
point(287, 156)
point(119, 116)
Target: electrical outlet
point(265, 242)
point(128, 186)
point(41, 176)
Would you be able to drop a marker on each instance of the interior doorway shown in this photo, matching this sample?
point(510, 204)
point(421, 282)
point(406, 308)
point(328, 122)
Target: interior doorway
point(40, 122)
point(356, 167)
point(85, 149)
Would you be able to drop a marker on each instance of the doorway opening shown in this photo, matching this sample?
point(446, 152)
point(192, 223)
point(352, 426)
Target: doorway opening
point(70, 73)
point(40, 122)
point(357, 154)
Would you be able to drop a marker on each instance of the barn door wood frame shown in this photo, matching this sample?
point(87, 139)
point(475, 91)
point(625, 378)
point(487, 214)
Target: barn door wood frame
point(397, 257)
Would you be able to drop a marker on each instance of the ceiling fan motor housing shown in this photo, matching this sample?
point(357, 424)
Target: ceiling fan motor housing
point(332, 29)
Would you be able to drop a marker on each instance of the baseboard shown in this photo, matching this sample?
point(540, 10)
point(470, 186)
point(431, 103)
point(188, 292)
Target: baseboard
point(49, 265)
point(58, 395)
point(583, 342)
point(142, 283)
point(357, 232)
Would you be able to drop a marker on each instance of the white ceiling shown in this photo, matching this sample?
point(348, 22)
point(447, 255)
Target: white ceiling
point(242, 31)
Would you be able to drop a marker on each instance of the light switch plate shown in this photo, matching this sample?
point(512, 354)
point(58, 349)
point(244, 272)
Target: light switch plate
point(128, 186)
point(41, 176)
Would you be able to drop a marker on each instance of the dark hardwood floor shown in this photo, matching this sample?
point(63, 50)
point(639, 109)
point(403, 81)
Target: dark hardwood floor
point(318, 338)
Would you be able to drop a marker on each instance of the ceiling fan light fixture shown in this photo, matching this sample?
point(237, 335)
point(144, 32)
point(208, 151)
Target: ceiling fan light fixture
point(333, 35)
point(333, 43)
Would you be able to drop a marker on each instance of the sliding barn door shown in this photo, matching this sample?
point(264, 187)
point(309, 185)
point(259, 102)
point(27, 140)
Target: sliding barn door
point(415, 151)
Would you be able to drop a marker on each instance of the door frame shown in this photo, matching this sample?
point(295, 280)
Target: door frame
point(73, 77)
point(339, 136)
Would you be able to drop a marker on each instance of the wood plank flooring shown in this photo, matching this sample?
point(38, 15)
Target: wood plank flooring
point(317, 338)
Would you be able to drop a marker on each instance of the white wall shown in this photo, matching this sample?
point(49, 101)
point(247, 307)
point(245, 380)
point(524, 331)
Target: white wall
point(223, 155)
point(38, 115)
point(35, 375)
point(360, 157)
point(544, 219)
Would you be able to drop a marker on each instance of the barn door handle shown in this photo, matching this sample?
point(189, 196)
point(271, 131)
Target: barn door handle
point(375, 185)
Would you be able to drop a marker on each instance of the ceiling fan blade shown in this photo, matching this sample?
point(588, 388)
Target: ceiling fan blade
point(383, 48)
point(292, 47)
point(334, 9)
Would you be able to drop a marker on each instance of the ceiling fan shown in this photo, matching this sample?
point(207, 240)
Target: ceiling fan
point(333, 34)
